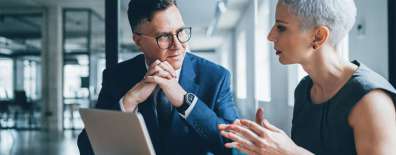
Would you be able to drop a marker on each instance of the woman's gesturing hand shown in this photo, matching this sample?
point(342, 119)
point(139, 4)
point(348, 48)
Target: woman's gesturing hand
point(252, 138)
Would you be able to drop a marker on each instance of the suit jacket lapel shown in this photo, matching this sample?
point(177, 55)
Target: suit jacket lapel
point(187, 76)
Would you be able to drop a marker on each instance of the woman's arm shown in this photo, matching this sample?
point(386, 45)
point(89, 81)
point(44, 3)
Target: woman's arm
point(373, 120)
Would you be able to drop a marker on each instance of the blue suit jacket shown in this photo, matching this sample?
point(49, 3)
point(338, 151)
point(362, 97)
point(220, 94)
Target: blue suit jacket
point(198, 134)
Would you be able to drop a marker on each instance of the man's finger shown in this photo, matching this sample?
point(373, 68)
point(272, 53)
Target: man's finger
point(153, 70)
point(167, 67)
point(155, 63)
point(154, 79)
point(159, 68)
point(164, 74)
point(149, 79)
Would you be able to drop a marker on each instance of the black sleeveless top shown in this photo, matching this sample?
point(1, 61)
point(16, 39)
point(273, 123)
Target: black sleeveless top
point(323, 128)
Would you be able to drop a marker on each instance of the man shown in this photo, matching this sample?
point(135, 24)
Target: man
point(182, 97)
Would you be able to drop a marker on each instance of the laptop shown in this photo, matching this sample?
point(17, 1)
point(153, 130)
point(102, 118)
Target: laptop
point(116, 133)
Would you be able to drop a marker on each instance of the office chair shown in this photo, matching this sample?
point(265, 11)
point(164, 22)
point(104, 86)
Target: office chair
point(20, 100)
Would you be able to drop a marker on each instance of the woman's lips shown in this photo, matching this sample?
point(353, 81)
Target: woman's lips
point(278, 52)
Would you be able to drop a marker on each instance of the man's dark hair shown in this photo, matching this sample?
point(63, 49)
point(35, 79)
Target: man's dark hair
point(144, 10)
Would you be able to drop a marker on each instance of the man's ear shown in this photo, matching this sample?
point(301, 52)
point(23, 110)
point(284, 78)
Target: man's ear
point(320, 36)
point(136, 38)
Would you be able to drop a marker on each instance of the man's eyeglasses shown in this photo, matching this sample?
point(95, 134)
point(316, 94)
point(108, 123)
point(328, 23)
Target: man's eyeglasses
point(165, 41)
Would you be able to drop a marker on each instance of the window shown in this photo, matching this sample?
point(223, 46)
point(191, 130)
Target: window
point(101, 67)
point(30, 78)
point(241, 66)
point(72, 78)
point(262, 56)
point(6, 79)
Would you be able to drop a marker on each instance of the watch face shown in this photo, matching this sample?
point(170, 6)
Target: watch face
point(190, 98)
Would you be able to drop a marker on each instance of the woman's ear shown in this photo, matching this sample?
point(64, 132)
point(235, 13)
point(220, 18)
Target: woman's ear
point(321, 35)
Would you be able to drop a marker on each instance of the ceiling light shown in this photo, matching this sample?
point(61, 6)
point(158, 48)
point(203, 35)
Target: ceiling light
point(221, 6)
point(220, 9)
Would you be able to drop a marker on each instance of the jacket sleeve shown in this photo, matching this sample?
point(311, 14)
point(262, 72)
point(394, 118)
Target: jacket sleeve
point(205, 120)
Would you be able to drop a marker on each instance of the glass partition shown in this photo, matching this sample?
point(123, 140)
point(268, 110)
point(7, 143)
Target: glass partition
point(20, 64)
point(83, 49)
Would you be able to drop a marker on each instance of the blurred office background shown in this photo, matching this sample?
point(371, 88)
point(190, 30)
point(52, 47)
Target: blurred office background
point(53, 52)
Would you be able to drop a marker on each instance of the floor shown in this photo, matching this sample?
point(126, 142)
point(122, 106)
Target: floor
point(19, 136)
point(13, 142)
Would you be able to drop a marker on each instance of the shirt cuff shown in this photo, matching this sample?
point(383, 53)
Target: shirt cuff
point(189, 109)
point(122, 105)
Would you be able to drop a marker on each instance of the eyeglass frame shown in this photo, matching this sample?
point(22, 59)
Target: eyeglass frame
point(168, 34)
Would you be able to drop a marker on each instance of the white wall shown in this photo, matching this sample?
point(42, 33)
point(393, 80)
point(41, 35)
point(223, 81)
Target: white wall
point(370, 46)
point(225, 51)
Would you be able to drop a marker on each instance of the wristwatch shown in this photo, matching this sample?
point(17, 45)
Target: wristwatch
point(187, 101)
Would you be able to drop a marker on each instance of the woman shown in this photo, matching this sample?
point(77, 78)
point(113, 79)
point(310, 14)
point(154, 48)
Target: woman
point(340, 108)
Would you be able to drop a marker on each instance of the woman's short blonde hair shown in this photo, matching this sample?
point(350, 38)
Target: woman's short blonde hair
point(338, 15)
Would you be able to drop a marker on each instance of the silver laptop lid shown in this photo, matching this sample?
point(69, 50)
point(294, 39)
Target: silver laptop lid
point(117, 133)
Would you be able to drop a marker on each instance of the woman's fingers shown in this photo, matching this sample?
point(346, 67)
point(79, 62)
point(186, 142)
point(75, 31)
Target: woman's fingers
point(222, 126)
point(250, 137)
point(247, 145)
point(255, 151)
point(235, 137)
point(271, 127)
point(260, 116)
point(237, 122)
point(259, 130)
point(244, 133)
point(240, 147)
